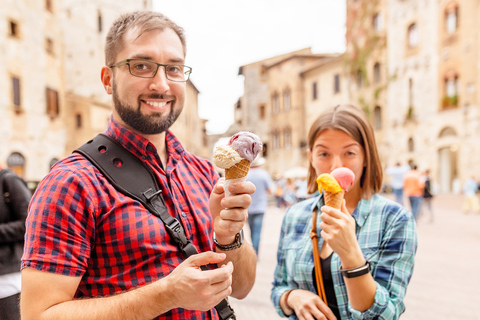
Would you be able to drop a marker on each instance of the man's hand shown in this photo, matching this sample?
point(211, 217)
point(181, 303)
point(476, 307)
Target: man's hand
point(229, 214)
point(194, 289)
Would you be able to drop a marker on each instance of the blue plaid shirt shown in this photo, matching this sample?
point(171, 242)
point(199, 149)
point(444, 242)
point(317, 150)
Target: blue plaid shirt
point(386, 234)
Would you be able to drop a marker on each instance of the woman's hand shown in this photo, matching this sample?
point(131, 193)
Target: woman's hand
point(308, 306)
point(338, 231)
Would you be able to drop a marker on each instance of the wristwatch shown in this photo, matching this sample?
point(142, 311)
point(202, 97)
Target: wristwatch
point(237, 243)
point(356, 272)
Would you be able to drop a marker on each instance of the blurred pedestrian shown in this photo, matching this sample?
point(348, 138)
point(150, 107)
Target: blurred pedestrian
point(470, 202)
point(289, 192)
point(427, 195)
point(279, 186)
point(358, 243)
point(14, 200)
point(302, 186)
point(397, 172)
point(263, 187)
point(413, 186)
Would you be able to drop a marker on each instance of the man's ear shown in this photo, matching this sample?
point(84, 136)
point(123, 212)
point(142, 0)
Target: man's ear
point(107, 79)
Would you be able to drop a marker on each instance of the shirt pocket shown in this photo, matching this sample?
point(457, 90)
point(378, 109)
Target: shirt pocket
point(298, 259)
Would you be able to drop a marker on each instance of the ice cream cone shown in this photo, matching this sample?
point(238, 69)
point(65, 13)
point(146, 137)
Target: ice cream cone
point(334, 200)
point(238, 171)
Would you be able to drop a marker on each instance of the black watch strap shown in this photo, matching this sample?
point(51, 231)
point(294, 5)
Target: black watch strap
point(356, 272)
point(237, 243)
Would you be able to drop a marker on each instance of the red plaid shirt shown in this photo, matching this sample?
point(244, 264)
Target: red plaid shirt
point(80, 225)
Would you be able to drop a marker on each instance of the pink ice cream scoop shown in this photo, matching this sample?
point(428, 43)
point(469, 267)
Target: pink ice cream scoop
point(344, 177)
point(247, 144)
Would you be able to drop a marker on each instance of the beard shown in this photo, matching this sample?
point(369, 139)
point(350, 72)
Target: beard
point(154, 123)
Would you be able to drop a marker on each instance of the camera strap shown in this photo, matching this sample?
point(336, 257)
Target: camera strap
point(129, 175)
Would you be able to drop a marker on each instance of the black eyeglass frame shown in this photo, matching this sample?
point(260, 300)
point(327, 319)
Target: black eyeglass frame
point(186, 72)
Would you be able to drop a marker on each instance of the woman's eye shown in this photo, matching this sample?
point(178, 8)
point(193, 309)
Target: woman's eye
point(323, 154)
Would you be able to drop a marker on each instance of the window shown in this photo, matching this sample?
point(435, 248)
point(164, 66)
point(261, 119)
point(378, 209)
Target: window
point(262, 111)
point(377, 117)
point(49, 46)
point(451, 91)
point(336, 83)
point(411, 145)
point(14, 32)
point(99, 21)
point(78, 121)
point(48, 5)
point(378, 22)
point(275, 104)
point(276, 141)
point(377, 77)
point(413, 35)
point(16, 92)
point(287, 136)
point(451, 18)
point(286, 100)
point(451, 86)
point(52, 102)
point(314, 91)
point(359, 79)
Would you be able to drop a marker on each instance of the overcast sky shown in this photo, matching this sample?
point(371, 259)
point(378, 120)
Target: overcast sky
point(223, 35)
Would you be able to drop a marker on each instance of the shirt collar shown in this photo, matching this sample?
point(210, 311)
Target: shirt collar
point(141, 146)
point(361, 213)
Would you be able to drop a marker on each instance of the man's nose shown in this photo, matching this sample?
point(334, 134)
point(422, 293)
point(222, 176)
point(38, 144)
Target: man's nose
point(160, 82)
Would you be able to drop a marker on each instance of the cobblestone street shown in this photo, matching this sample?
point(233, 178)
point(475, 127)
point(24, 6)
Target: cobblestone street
point(445, 283)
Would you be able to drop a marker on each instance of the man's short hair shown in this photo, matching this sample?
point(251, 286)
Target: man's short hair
point(144, 21)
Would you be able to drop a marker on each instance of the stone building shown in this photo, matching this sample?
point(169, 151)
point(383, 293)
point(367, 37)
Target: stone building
point(412, 66)
point(52, 99)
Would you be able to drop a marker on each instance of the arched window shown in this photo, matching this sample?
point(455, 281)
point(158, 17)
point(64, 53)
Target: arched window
point(451, 18)
point(447, 132)
point(359, 78)
point(413, 36)
point(275, 104)
point(286, 100)
point(411, 145)
point(378, 22)
point(16, 162)
point(377, 116)
point(377, 77)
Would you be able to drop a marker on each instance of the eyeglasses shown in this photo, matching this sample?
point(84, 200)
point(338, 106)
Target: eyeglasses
point(148, 69)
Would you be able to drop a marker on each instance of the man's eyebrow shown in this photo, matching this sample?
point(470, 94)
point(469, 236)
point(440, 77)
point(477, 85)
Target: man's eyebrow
point(147, 57)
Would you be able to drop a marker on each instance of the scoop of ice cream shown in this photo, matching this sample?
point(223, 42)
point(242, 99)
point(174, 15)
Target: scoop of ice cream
point(344, 177)
point(247, 144)
point(328, 183)
point(225, 157)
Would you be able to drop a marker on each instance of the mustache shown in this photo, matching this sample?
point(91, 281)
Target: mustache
point(156, 96)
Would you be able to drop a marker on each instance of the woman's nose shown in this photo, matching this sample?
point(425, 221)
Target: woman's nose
point(336, 163)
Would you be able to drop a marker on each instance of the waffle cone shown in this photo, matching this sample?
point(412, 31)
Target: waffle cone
point(334, 200)
point(239, 170)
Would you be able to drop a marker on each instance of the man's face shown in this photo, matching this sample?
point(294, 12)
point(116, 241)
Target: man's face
point(148, 105)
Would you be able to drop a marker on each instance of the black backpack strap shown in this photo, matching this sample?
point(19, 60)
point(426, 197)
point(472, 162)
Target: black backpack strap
point(131, 176)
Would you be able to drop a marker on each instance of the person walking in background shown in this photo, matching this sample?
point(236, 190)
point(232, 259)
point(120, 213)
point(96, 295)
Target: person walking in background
point(413, 186)
point(279, 186)
point(397, 172)
point(14, 200)
point(470, 188)
point(93, 252)
point(263, 187)
point(302, 189)
point(357, 243)
point(427, 194)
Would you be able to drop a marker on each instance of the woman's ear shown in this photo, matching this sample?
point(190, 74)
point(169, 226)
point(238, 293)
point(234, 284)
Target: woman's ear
point(309, 154)
point(107, 79)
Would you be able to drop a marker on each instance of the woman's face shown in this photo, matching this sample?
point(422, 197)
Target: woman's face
point(335, 148)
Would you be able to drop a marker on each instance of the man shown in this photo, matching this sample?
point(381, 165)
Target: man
point(94, 253)
point(397, 172)
point(470, 189)
point(413, 184)
point(263, 186)
point(14, 199)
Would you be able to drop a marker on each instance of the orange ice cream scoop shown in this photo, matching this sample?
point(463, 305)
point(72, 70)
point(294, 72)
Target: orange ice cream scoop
point(328, 183)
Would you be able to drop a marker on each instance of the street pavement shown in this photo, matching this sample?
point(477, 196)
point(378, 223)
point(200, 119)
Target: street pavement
point(446, 280)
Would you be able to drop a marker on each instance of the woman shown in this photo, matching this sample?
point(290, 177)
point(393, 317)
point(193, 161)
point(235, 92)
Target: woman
point(369, 230)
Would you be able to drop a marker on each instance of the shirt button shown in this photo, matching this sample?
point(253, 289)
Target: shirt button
point(184, 214)
point(149, 148)
point(144, 158)
point(344, 313)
